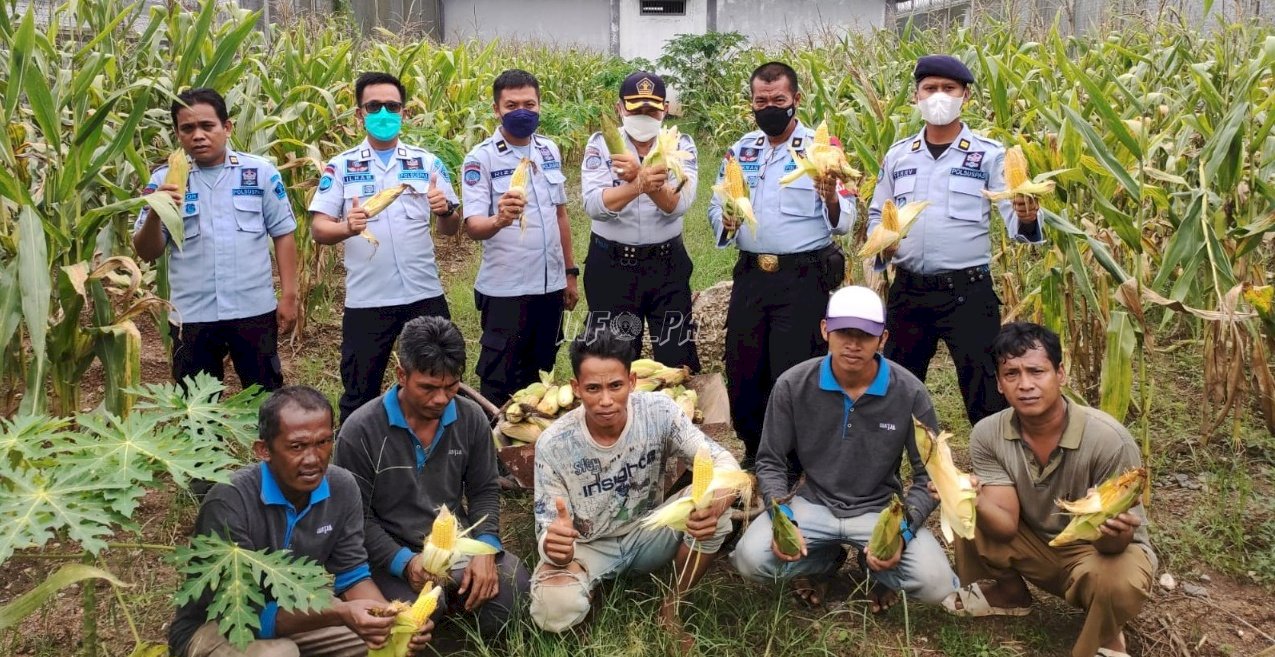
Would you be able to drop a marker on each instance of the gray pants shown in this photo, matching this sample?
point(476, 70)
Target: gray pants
point(492, 616)
point(327, 642)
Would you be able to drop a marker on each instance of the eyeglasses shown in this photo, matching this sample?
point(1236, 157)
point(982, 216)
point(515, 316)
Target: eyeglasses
point(374, 106)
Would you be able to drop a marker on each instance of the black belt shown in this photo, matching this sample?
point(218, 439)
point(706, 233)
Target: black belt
point(771, 262)
point(632, 253)
point(943, 280)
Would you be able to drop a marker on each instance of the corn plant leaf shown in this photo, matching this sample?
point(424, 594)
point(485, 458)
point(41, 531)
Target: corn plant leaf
point(202, 412)
point(22, 606)
point(10, 303)
point(37, 286)
point(1116, 386)
point(38, 504)
point(20, 51)
point(1099, 150)
point(237, 582)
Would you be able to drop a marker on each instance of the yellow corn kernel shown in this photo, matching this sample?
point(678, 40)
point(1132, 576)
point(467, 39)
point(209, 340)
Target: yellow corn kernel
point(178, 171)
point(425, 604)
point(701, 474)
point(443, 533)
point(382, 199)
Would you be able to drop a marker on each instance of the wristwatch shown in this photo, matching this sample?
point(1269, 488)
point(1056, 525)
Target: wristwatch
point(451, 209)
point(573, 271)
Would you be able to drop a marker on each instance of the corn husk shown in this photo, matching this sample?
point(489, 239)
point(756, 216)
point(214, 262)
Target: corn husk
point(956, 490)
point(445, 545)
point(1110, 499)
point(645, 367)
point(784, 531)
point(886, 536)
point(706, 481)
point(611, 135)
point(1017, 181)
point(894, 226)
point(408, 621)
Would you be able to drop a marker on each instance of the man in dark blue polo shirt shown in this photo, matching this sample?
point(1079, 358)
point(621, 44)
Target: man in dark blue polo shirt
point(293, 501)
point(420, 447)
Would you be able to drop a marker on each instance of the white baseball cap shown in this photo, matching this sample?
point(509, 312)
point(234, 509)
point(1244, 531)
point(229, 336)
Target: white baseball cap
point(857, 307)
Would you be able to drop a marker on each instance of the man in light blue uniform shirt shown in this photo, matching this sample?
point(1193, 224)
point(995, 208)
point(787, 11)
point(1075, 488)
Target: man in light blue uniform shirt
point(787, 269)
point(394, 278)
point(942, 286)
point(637, 270)
point(527, 275)
point(222, 286)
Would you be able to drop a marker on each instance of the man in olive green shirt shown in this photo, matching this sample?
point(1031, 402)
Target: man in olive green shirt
point(1039, 450)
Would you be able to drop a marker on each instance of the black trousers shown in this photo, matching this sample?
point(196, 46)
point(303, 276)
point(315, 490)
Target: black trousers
point(772, 323)
point(520, 337)
point(962, 309)
point(653, 288)
point(367, 337)
point(252, 342)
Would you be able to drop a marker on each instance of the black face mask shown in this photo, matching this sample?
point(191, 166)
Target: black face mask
point(773, 120)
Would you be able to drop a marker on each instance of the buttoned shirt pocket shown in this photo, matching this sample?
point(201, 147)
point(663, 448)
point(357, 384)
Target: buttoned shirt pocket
point(416, 200)
point(903, 189)
point(799, 199)
point(557, 186)
point(190, 222)
point(248, 216)
point(965, 198)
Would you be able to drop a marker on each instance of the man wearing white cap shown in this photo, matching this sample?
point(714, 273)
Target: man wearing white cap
point(848, 415)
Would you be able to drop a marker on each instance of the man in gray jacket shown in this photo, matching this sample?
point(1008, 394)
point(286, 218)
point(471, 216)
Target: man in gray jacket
point(417, 448)
point(849, 416)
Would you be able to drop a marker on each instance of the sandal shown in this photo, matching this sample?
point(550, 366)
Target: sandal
point(975, 605)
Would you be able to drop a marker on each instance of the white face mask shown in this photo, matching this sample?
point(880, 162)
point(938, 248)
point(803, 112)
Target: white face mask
point(641, 127)
point(940, 108)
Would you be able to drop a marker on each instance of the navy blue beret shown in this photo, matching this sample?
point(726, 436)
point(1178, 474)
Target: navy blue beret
point(943, 66)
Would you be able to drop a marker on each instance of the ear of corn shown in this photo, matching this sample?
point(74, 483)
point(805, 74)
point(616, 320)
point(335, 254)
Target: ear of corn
point(645, 367)
point(1110, 499)
point(445, 544)
point(784, 531)
point(735, 196)
point(566, 396)
point(675, 514)
point(956, 490)
point(1017, 180)
point(701, 476)
point(377, 203)
point(822, 160)
point(522, 431)
point(178, 171)
point(667, 151)
point(894, 226)
point(408, 621)
point(611, 135)
point(886, 536)
point(671, 376)
point(518, 185)
point(687, 401)
point(549, 403)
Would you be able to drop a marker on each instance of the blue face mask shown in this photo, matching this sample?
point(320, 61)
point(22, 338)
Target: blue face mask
point(520, 123)
point(383, 125)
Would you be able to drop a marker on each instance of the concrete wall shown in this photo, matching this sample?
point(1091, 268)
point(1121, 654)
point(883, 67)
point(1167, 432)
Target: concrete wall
point(644, 36)
point(773, 20)
point(566, 22)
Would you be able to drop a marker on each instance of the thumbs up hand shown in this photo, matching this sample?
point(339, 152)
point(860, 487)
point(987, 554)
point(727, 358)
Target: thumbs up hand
point(356, 218)
point(437, 200)
point(560, 538)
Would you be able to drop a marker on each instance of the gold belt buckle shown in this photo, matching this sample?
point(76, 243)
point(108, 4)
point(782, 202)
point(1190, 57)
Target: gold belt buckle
point(768, 262)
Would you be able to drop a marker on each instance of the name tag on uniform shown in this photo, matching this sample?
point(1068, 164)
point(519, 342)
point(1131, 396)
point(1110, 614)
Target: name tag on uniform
point(501, 173)
point(551, 165)
point(247, 191)
point(969, 173)
point(901, 173)
point(413, 175)
point(358, 177)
